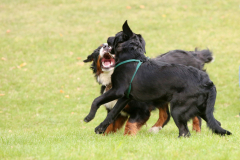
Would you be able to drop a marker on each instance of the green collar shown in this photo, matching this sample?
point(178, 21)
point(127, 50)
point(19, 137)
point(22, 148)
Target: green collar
point(127, 61)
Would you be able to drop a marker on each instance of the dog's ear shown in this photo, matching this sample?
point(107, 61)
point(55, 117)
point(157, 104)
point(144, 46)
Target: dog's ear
point(142, 41)
point(127, 30)
point(89, 59)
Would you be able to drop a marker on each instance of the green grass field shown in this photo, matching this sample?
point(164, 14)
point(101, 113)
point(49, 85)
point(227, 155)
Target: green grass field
point(46, 90)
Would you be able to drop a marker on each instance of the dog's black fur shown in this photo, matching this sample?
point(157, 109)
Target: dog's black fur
point(195, 58)
point(189, 90)
point(135, 112)
point(139, 112)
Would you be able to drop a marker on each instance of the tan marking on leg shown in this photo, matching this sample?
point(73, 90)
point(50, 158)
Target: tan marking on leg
point(196, 125)
point(162, 116)
point(109, 129)
point(116, 125)
point(131, 128)
point(119, 122)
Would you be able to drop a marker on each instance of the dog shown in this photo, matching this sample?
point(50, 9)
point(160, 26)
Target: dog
point(103, 65)
point(189, 91)
point(135, 113)
point(195, 59)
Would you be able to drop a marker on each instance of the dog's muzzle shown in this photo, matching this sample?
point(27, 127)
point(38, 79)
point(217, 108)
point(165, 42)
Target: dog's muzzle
point(107, 59)
point(110, 41)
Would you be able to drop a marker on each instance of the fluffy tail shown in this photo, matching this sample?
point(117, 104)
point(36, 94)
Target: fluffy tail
point(204, 55)
point(211, 121)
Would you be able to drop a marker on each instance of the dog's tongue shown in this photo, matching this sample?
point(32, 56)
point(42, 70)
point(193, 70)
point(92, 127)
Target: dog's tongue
point(107, 63)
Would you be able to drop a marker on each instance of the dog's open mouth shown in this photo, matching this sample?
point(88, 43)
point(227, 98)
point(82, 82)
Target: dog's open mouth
point(107, 61)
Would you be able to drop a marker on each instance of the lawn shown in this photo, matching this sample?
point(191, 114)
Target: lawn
point(46, 90)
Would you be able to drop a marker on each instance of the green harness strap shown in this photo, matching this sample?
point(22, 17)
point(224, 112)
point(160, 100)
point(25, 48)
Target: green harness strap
point(127, 61)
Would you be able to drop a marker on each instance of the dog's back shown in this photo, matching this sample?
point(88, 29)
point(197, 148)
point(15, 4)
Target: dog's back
point(171, 77)
point(195, 58)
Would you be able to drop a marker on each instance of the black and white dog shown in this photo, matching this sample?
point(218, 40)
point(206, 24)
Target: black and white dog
point(189, 90)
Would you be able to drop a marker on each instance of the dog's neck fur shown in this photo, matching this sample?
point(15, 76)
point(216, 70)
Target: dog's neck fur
point(141, 57)
point(130, 48)
point(105, 77)
point(134, 55)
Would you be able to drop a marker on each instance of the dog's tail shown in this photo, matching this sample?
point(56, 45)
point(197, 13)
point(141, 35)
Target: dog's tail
point(205, 55)
point(212, 123)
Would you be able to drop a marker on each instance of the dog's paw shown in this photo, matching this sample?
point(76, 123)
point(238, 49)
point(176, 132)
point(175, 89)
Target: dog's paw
point(87, 119)
point(185, 135)
point(155, 129)
point(100, 129)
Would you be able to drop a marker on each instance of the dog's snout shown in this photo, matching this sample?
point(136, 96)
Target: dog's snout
point(110, 41)
point(105, 45)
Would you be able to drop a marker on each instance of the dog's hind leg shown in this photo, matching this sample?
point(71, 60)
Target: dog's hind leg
point(180, 120)
point(208, 116)
point(136, 121)
point(197, 123)
point(164, 117)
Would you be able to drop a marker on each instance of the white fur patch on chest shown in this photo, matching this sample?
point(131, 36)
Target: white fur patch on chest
point(105, 77)
point(111, 104)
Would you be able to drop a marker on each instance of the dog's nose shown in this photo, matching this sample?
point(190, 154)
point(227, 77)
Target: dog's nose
point(105, 45)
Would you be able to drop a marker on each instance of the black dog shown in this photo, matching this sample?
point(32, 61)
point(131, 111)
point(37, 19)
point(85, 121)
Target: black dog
point(189, 90)
point(137, 113)
point(195, 59)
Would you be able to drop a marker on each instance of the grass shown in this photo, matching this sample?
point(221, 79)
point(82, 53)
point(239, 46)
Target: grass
point(46, 90)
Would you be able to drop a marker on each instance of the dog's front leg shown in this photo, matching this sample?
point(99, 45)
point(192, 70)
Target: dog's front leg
point(104, 98)
point(112, 115)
